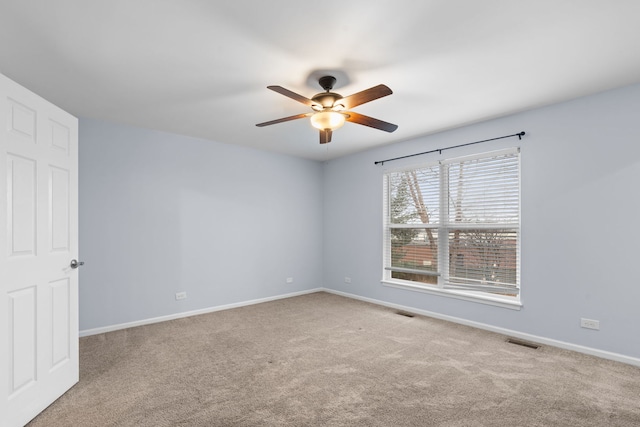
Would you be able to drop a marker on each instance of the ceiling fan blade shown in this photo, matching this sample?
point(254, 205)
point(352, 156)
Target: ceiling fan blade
point(292, 95)
point(325, 136)
point(366, 95)
point(284, 119)
point(361, 119)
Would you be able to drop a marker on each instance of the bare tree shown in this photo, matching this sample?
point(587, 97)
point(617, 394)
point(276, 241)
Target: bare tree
point(418, 201)
point(492, 255)
point(400, 214)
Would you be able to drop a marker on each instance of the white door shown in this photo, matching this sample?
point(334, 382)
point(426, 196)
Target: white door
point(38, 240)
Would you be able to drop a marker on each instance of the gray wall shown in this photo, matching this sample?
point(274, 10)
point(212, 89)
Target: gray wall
point(163, 213)
point(580, 202)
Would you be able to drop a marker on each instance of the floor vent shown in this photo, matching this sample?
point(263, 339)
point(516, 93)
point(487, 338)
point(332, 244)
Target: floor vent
point(404, 313)
point(523, 343)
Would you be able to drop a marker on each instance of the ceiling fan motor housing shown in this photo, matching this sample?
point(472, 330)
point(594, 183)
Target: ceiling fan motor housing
point(326, 99)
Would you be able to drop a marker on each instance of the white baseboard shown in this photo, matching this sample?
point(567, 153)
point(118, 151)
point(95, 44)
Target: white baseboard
point(533, 338)
point(101, 330)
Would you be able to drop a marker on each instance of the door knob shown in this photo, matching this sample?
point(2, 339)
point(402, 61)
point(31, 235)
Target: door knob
point(75, 263)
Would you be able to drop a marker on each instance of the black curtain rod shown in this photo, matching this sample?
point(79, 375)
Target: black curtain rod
point(440, 150)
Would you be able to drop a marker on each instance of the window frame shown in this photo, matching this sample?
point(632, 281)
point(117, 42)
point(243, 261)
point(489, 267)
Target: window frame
point(443, 228)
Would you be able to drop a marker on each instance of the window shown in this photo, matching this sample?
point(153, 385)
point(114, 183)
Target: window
point(454, 227)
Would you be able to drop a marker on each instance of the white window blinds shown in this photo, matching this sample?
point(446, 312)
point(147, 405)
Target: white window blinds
point(456, 224)
point(483, 222)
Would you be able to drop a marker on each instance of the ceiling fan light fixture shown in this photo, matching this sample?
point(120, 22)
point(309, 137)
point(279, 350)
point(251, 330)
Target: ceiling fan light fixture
point(327, 120)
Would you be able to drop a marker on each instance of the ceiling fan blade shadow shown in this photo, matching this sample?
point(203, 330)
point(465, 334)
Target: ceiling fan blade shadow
point(284, 119)
point(361, 119)
point(325, 136)
point(292, 95)
point(366, 95)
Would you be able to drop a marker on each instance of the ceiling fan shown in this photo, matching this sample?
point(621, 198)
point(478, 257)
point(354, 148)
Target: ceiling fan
point(331, 110)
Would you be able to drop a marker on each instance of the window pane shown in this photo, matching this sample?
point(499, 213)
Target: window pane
point(414, 249)
point(483, 257)
point(414, 196)
point(484, 191)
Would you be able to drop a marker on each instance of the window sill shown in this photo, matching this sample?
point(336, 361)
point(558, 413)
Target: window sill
point(463, 295)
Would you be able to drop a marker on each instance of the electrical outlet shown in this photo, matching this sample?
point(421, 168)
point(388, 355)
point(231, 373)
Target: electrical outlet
point(347, 279)
point(590, 324)
point(181, 295)
point(289, 279)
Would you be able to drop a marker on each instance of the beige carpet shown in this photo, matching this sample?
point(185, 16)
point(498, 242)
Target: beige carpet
point(325, 360)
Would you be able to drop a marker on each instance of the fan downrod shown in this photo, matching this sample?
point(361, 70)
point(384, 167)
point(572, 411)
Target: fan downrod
point(327, 82)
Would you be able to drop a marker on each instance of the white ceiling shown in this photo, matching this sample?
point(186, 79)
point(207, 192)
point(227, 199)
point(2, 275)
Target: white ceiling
point(201, 67)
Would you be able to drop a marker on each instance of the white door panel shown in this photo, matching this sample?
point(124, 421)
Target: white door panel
point(38, 239)
point(59, 209)
point(61, 307)
point(22, 339)
point(21, 211)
